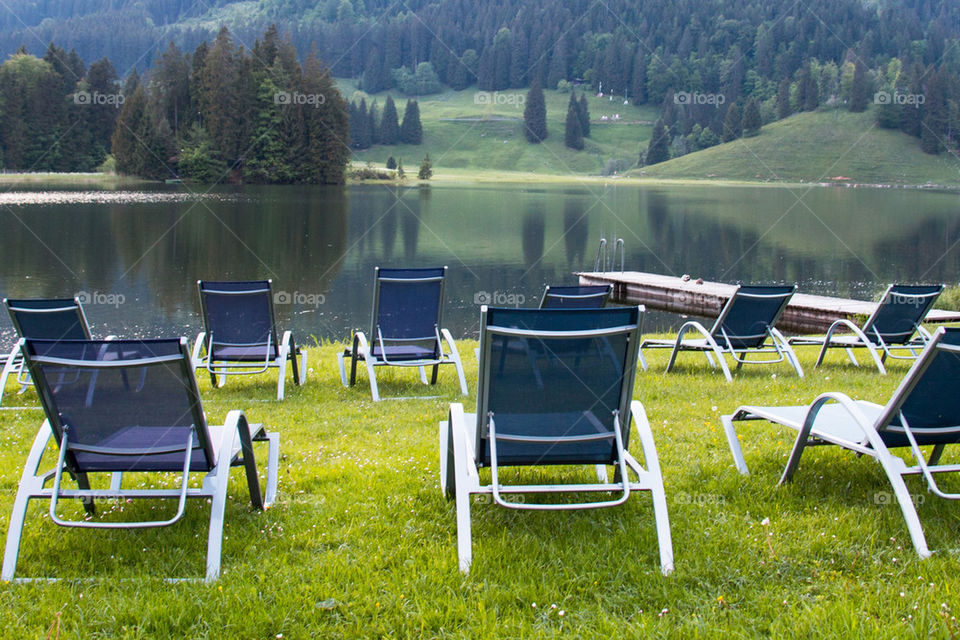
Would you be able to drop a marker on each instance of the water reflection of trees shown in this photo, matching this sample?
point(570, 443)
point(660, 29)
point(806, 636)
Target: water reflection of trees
point(160, 250)
point(576, 231)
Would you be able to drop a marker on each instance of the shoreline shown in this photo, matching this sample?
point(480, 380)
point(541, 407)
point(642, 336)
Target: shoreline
point(473, 176)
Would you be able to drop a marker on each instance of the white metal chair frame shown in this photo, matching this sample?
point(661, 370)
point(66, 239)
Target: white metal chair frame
point(711, 348)
point(460, 469)
point(219, 370)
point(862, 337)
point(233, 445)
point(870, 421)
point(361, 348)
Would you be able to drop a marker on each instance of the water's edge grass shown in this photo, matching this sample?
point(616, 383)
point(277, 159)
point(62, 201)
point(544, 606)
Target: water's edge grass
point(361, 542)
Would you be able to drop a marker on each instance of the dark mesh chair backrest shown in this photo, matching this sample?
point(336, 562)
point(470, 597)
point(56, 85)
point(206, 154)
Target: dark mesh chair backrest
point(130, 405)
point(407, 306)
point(48, 318)
point(238, 315)
point(902, 308)
point(565, 384)
point(928, 394)
point(576, 297)
point(751, 311)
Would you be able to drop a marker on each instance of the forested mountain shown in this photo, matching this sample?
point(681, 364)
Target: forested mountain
point(707, 64)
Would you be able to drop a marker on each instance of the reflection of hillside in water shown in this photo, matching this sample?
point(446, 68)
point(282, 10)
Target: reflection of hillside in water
point(751, 248)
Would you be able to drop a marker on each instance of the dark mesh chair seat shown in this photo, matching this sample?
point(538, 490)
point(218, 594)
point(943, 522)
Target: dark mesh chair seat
point(575, 296)
point(923, 411)
point(743, 327)
point(42, 319)
point(240, 334)
point(563, 399)
point(406, 328)
point(895, 324)
point(120, 406)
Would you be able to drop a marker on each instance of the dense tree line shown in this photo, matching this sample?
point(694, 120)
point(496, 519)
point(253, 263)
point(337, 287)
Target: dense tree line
point(701, 63)
point(216, 115)
point(225, 114)
point(369, 127)
point(56, 114)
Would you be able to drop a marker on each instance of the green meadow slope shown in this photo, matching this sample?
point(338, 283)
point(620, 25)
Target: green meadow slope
point(817, 147)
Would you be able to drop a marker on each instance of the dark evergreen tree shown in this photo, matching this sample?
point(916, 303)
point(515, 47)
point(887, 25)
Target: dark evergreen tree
point(860, 92)
point(936, 114)
point(584, 113)
point(426, 168)
point(659, 148)
point(389, 129)
point(535, 115)
point(732, 122)
point(411, 131)
point(573, 135)
point(751, 118)
point(783, 99)
point(391, 163)
point(360, 133)
point(136, 144)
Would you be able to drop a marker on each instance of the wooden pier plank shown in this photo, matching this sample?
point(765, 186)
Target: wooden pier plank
point(806, 313)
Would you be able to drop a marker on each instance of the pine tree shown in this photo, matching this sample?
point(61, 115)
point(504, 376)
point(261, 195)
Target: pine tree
point(659, 147)
point(584, 113)
point(360, 134)
point(783, 99)
point(391, 163)
point(327, 125)
point(426, 168)
point(411, 131)
point(860, 91)
point(535, 115)
point(751, 119)
point(389, 130)
point(732, 123)
point(573, 135)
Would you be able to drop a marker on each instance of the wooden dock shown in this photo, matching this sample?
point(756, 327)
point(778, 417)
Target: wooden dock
point(804, 314)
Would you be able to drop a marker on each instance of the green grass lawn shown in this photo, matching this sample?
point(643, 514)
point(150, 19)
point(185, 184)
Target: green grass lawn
point(361, 542)
point(464, 132)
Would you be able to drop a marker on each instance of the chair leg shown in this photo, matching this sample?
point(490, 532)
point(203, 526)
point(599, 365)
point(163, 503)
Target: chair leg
point(455, 357)
point(423, 375)
point(281, 372)
point(303, 367)
point(30, 485)
point(371, 373)
point(343, 370)
point(9, 367)
point(433, 375)
point(734, 443)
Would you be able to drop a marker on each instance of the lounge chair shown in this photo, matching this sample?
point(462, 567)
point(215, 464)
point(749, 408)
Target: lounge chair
point(745, 323)
point(240, 334)
point(922, 411)
point(573, 408)
point(122, 406)
point(405, 328)
point(576, 296)
point(894, 324)
point(41, 318)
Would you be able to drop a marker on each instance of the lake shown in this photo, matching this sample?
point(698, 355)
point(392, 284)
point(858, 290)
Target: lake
point(135, 256)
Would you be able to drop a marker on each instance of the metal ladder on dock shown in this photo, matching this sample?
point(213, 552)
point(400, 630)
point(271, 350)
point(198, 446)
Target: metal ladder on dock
point(601, 264)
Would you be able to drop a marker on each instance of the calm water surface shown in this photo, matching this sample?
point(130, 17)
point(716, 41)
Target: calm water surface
point(136, 255)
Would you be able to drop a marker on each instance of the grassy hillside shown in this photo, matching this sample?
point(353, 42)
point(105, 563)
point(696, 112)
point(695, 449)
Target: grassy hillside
point(815, 147)
point(462, 131)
